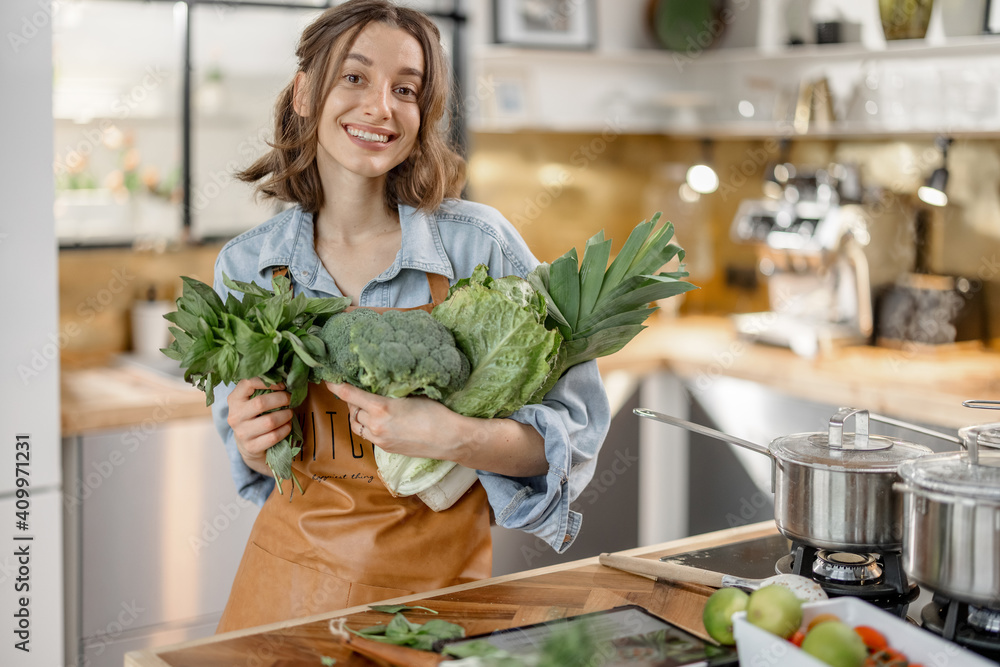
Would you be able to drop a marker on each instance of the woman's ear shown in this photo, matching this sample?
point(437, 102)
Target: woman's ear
point(300, 94)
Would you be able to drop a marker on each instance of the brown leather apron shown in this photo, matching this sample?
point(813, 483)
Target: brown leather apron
point(346, 540)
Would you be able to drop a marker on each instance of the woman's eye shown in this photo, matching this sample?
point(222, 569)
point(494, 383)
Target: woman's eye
point(403, 90)
point(353, 78)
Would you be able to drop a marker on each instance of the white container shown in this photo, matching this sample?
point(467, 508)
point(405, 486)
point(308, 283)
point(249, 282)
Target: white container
point(760, 648)
point(150, 331)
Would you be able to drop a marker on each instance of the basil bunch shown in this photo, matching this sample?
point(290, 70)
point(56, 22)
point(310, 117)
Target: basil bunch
point(269, 334)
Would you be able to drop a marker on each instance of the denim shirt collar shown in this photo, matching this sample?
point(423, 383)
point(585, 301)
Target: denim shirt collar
point(291, 244)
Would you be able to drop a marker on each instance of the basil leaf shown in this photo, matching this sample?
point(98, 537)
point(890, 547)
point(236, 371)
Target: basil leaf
point(327, 305)
point(314, 345)
point(182, 338)
point(300, 349)
point(235, 307)
point(193, 304)
point(227, 361)
point(196, 354)
point(298, 381)
point(438, 628)
point(396, 608)
point(183, 319)
point(204, 292)
point(258, 357)
point(295, 308)
point(271, 313)
point(245, 288)
point(399, 626)
point(173, 351)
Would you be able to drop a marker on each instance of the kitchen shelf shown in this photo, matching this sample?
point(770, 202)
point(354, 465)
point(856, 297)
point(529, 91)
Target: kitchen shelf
point(656, 91)
point(955, 47)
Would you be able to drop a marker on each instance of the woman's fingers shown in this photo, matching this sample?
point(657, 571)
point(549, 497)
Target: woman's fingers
point(264, 441)
point(258, 422)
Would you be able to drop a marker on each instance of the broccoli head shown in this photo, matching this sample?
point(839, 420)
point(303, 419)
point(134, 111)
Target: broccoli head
point(340, 364)
point(396, 353)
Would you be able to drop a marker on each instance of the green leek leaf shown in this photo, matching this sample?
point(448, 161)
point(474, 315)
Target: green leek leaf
point(595, 261)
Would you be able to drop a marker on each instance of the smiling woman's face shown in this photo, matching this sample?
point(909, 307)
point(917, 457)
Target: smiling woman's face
point(371, 118)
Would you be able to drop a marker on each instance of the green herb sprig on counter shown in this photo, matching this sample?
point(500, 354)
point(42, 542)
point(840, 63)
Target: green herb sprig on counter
point(269, 334)
point(403, 632)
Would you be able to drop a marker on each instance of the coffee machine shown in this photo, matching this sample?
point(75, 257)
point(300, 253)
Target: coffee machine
point(809, 242)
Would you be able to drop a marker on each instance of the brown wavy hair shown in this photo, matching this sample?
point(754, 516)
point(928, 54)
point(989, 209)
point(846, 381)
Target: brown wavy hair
point(288, 171)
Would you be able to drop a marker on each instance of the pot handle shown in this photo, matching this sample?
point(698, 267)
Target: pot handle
point(704, 430)
point(915, 428)
point(836, 433)
point(982, 404)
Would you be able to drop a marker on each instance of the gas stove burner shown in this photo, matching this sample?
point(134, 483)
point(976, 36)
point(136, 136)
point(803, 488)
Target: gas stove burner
point(985, 620)
point(878, 578)
point(846, 567)
point(963, 624)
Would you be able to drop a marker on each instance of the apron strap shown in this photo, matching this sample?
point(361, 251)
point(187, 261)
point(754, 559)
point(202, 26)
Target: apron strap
point(439, 287)
point(439, 284)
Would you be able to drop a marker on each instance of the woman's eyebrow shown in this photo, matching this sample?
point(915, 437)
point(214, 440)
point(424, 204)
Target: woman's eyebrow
point(367, 62)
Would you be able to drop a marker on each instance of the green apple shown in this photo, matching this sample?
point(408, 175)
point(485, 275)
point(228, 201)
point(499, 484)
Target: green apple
point(775, 609)
point(718, 613)
point(836, 644)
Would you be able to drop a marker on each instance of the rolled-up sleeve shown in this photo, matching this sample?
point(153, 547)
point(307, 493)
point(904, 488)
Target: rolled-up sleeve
point(573, 419)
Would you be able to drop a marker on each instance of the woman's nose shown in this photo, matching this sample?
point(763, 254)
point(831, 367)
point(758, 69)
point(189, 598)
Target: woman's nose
point(377, 101)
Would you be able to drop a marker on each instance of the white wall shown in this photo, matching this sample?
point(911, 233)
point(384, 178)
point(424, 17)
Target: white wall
point(29, 342)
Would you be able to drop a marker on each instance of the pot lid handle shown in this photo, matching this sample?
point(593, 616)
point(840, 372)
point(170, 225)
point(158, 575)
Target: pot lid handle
point(836, 434)
point(973, 444)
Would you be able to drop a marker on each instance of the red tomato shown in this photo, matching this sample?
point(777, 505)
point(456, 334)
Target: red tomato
point(797, 637)
point(873, 639)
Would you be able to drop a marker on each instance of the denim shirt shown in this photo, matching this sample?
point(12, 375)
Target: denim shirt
point(575, 415)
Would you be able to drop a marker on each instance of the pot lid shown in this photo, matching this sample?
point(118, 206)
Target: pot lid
point(856, 452)
point(985, 435)
point(956, 473)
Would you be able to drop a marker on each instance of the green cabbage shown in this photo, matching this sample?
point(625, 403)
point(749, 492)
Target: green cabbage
point(499, 326)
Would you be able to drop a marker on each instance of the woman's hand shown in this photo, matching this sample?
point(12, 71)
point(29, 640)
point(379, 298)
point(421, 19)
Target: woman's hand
point(254, 426)
point(419, 426)
point(411, 426)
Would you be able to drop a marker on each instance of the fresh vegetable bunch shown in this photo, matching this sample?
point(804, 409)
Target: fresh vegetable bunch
point(269, 334)
point(521, 335)
point(504, 342)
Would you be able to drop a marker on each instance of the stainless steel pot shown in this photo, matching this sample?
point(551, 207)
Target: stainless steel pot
point(951, 533)
point(831, 490)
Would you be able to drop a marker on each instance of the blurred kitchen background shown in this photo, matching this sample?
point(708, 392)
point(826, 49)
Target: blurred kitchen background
point(846, 187)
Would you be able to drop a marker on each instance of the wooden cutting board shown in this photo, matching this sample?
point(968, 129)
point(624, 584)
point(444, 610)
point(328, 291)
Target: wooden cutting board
point(479, 610)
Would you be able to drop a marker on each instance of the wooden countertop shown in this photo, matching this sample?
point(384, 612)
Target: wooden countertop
point(925, 385)
point(124, 396)
point(509, 601)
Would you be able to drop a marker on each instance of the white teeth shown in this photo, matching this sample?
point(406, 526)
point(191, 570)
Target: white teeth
point(367, 136)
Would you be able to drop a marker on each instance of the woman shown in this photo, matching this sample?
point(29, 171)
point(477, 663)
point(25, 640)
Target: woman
point(360, 153)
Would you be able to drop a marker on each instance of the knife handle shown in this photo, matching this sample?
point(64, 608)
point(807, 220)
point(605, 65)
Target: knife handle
point(662, 570)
